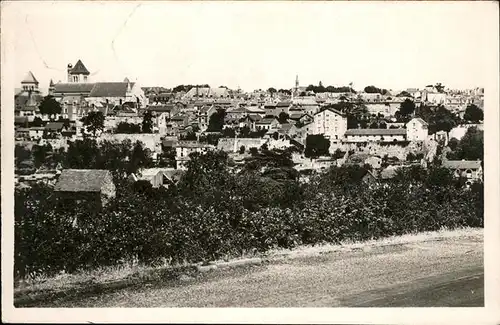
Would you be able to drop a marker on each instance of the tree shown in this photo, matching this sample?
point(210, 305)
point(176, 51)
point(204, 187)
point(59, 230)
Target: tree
point(404, 93)
point(216, 121)
point(407, 108)
point(40, 154)
point(128, 128)
point(242, 149)
point(228, 133)
point(49, 106)
point(140, 157)
point(316, 145)
point(473, 114)
point(471, 146)
point(283, 117)
point(37, 122)
point(439, 87)
point(424, 112)
point(21, 153)
point(147, 122)
point(453, 144)
point(442, 120)
point(272, 91)
point(244, 131)
point(94, 121)
point(372, 90)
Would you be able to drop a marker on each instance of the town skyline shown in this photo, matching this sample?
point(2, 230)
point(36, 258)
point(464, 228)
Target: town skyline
point(253, 56)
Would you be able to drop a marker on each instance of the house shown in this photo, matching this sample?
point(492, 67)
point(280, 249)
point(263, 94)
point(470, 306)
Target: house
point(300, 132)
point(91, 185)
point(441, 136)
point(471, 170)
point(157, 176)
point(250, 121)
point(331, 123)
point(236, 113)
point(267, 123)
point(117, 93)
point(184, 148)
point(369, 178)
point(233, 145)
point(417, 129)
point(54, 129)
point(207, 92)
point(373, 135)
point(385, 109)
point(204, 116)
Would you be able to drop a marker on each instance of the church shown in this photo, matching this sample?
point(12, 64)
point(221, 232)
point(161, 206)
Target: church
point(28, 97)
point(78, 95)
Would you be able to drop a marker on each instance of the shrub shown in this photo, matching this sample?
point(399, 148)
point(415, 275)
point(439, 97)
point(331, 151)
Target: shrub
point(216, 214)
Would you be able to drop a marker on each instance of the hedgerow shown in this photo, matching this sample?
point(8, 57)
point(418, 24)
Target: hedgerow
point(216, 214)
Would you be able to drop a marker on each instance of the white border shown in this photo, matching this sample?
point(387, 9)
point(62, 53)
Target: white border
point(490, 314)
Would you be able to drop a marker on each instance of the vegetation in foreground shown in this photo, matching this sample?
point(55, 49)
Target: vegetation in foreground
point(215, 212)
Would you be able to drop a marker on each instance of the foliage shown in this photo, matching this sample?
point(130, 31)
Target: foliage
point(186, 88)
point(316, 145)
point(283, 117)
point(442, 120)
point(120, 158)
point(473, 114)
point(216, 214)
point(375, 90)
point(322, 89)
point(470, 147)
point(94, 122)
point(406, 108)
point(40, 154)
point(242, 150)
point(147, 122)
point(37, 122)
point(404, 93)
point(128, 128)
point(49, 106)
point(216, 121)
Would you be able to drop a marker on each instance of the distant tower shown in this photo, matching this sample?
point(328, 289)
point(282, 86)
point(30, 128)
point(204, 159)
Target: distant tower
point(70, 67)
point(78, 73)
point(296, 88)
point(52, 87)
point(29, 82)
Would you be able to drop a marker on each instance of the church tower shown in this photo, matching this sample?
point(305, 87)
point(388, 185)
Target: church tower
point(52, 87)
point(78, 73)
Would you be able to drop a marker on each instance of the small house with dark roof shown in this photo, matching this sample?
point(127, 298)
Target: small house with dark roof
point(90, 185)
point(471, 170)
point(267, 123)
point(158, 177)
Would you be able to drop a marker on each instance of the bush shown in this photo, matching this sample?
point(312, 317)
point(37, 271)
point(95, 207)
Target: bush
point(215, 214)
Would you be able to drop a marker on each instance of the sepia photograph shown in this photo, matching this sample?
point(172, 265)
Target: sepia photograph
point(268, 155)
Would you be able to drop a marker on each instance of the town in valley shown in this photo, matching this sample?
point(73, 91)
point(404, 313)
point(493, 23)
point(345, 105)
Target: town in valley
point(379, 129)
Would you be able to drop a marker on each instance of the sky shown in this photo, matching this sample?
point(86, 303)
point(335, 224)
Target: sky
point(253, 45)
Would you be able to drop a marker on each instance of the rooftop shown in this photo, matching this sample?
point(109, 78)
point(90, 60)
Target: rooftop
point(79, 68)
point(375, 132)
point(81, 180)
point(462, 164)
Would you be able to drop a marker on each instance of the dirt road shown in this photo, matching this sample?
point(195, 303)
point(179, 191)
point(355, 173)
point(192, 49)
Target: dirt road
point(446, 273)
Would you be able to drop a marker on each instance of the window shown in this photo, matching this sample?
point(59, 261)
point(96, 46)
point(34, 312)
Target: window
point(85, 78)
point(75, 78)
